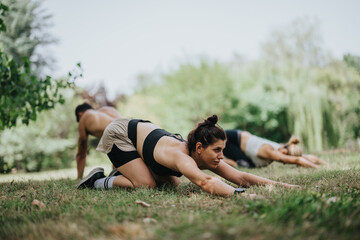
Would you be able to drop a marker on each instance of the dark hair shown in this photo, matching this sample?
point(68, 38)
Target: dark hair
point(81, 108)
point(206, 133)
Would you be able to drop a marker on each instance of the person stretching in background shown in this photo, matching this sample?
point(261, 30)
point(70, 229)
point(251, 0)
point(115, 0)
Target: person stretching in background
point(91, 122)
point(246, 150)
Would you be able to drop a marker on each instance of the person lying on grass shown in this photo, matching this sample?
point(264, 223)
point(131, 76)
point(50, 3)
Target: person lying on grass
point(148, 156)
point(246, 150)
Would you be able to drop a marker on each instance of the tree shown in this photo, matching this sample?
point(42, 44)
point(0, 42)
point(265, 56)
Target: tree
point(320, 93)
point(298, 44)
point(22, 93)
point(26, 31)
point(352, 61)
point(3, 10)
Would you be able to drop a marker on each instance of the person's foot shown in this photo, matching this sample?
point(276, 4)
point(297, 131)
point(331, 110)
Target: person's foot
point(114, 173)
point(89, 180)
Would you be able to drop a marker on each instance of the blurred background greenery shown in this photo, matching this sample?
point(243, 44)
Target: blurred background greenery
point(295, 87)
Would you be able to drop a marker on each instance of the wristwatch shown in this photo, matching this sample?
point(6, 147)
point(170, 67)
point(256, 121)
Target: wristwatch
point(238, 191)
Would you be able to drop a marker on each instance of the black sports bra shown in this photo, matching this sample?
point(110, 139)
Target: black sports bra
point(149, 146)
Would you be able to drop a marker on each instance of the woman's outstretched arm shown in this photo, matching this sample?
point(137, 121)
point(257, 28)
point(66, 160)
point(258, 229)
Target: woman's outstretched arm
point(280, 157)
point(213, 185)
point(244, 179)
point(314, 159)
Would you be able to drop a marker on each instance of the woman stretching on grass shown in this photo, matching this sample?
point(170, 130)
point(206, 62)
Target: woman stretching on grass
point(247, 150)
point(148, 156)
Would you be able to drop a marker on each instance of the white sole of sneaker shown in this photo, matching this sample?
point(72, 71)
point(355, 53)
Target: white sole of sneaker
point(95, 170)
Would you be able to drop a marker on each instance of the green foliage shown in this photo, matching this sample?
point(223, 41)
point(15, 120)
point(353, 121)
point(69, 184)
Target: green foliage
point(22, 93)
point(320, 105)
point(27, 25)
point(47, 143)
point(318, 96)
point(342, 112)
point(3, 10)
point(352, 61)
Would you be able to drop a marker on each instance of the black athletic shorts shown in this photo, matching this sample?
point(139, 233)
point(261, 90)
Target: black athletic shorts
point(119, 157)
point(233, 151)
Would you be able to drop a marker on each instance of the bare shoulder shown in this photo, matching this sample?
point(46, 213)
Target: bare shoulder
point(174, 147)
point(84, 123)
point(109, 111)
point(172, 153)
point(267, 151)
point(88, 114)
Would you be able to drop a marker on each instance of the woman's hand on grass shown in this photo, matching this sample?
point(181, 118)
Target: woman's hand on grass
point(251, 195)
point(289, 185)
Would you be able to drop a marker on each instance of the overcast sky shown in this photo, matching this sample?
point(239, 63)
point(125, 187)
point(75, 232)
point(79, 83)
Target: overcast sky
point(117, 39)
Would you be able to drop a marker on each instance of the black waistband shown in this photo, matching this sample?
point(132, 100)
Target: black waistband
point(132, 129)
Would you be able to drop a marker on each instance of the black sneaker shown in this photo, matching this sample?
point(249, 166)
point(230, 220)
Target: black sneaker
point(89, 180)
point(114, 173)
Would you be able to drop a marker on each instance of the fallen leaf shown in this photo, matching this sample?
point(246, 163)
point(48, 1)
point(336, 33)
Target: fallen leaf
point(142, 203)
point(149, 220)
point(116, 229)
point(38, 203)
point(332, 200)
point(206, 235)
point(126, 230)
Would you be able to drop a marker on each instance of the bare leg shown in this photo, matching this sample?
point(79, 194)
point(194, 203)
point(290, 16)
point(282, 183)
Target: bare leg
point(134, 174)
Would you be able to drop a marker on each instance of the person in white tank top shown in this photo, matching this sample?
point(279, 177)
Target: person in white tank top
point(260, 152)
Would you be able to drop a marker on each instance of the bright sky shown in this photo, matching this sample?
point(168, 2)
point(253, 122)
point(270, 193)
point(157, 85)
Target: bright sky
point(117, 39)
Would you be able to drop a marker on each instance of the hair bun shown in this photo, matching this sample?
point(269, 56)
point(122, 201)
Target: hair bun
point(294, 140)
point(212, 120)
point(294, 148)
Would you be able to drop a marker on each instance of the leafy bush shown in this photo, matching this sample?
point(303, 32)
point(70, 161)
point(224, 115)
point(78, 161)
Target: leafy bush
point(22, 93)
point(47, 143)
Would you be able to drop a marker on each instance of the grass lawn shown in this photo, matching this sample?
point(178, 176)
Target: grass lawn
point(327, 206)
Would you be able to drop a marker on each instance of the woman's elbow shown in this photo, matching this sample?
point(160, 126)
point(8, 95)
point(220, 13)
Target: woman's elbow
point(207, 184)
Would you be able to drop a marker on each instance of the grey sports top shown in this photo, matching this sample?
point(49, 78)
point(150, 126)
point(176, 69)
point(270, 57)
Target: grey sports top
point(252, 148)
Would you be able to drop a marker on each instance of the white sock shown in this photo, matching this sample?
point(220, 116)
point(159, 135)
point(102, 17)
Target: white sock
point(104, 183)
